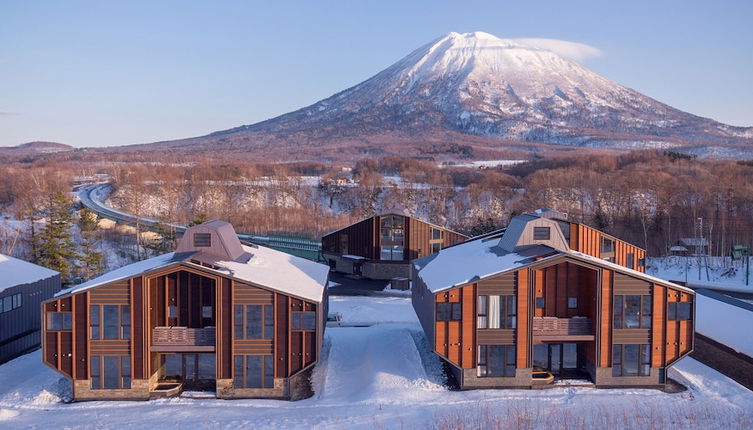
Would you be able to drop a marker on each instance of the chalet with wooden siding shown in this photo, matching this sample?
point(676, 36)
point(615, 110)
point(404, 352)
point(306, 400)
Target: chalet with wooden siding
point(215, 315)
point(382, 246)
point(544, 300)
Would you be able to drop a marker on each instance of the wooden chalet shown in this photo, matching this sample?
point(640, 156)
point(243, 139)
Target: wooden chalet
point(382, 246)
point(215, 315)
point(548, 299)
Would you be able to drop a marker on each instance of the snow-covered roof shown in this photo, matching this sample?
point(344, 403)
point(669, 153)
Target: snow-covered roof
point(277, 270)
point(128, 271)
point(473, 260)
point(258, 265)
point(19, 272)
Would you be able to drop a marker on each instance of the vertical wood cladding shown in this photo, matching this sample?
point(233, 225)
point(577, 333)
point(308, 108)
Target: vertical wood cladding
point(448, 333)
point(523, 339)
point(81, 331)
point(556, 283)
point(658, 325)
point(363, 238)
point(139, 338)
point(605, 316)
point(225, 329)
point(282, 341)
point(468, 337)
point(588, 241)
point(679, 334)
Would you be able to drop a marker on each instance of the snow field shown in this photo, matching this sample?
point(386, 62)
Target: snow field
point(382, 376)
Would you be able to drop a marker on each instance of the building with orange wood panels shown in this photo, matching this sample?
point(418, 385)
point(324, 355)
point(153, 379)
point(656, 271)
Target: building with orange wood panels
point(216, 315)
point(547, 299)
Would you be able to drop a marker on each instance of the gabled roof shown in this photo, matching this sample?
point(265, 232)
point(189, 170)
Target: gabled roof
point(227, 257)
point(403, 213)
point(479, 259)
point(19, 272)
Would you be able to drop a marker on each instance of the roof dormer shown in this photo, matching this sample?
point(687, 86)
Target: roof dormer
point(216, 238)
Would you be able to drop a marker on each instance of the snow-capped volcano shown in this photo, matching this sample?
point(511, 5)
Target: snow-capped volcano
point(479, 87)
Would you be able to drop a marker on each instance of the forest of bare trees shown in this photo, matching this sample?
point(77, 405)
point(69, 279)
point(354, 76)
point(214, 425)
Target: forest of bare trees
point(650, 198)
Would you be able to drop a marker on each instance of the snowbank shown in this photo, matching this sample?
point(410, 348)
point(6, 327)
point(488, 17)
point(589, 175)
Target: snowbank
point(725, 323)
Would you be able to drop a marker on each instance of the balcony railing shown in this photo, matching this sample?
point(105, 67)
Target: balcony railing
point(554, 329)
point(180, 339)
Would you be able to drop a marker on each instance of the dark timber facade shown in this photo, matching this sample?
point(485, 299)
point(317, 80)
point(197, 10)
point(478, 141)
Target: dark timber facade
point(539, 306)
point(382, 246)
point(23, 287)
point(197, 319)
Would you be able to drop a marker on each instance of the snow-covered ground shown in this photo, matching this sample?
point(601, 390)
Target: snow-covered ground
point(382, 376)
point(722, 272)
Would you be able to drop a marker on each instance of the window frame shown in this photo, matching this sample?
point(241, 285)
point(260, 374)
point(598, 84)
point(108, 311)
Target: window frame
point(97, 379)
point(643, 362)
point(644, 319)
point(509, 362)
point(242, 380)
point(266, 329)
point(122, 327)
point(454, 311)
point(202, 240)
point(508, 311)
point(674, 310)
point(59, 321)
point(299, 317)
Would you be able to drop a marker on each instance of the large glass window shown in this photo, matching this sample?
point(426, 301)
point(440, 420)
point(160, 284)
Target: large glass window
point(449, 311)
point(9, 303)
point(253, 322)
point(59, 321)
point(632, 311)
point(110, 372)
point(679, 311)
point(436, 234)
point(392, 238)
point(303, 320)
point(496, 360)
point(391, 253)
point(496, 311)
point(110, 321)
point(631, 360)
point(253, 371)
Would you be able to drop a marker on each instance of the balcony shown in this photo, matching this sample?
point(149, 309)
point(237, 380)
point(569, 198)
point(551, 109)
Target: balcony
point(183, 339)
point(552, 329)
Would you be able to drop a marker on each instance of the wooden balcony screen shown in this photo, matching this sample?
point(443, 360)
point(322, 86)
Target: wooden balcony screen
point(562, 329)
point(183, 339)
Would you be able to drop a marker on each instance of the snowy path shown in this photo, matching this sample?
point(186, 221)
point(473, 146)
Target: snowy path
point(373, 377)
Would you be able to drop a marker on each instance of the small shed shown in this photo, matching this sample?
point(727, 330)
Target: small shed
point(23, 287)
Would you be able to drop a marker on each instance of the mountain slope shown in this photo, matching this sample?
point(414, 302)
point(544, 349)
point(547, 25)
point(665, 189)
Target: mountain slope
point(477, 89)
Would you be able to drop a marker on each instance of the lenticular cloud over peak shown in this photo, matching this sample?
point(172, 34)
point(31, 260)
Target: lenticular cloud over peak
point(572, 50)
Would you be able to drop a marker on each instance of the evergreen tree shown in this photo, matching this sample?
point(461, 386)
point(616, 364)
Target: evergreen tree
point(56, 249)
point(92, 261)
point(166, 242)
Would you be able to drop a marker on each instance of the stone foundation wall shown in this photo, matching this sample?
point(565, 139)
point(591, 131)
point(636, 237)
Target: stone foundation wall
point(385, 271)
point(225, 390)
point(522, 379)
point(605, 379)
point(139, 391)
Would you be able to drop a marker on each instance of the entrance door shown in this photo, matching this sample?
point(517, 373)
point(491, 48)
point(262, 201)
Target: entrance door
point(197, 371)
point(557, 358)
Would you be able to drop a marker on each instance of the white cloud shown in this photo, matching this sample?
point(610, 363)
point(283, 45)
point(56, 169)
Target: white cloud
point(572, 50)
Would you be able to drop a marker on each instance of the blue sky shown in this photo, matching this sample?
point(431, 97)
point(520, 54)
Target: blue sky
point(97, 73)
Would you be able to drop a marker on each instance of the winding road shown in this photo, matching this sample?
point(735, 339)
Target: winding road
point(93, 197)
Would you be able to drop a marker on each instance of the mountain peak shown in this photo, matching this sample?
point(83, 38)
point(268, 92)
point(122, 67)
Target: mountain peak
point(487, 89)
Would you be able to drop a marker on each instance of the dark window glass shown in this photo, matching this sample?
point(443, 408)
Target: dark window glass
point(253, 371)
point(203, 240)
point(672, 311)
point(496, 360)
point(436, 247)
point(436, 234)
point(630, 260)
point(645, 368)
point(238, 372)
point(172, 311)
point(110, 319)
point(94, 321)
point(269, 322)
point(125, 370)
point(540, 303)
point(443, 311)
point(269, 372)
point(254, 322)
point(607, 245)
point(125, 322)
point(206, 312)
point(646, 311)
point(457, 311)
point(511, 308)
point(67, 320)
point(308, 320)
point(630, 360)
point(94, 372)
point(295, 321)
point(173, 365)
point(541, 233)
point(6, 304)
point(683, 311)
point(54, 321)
point(617, 311)
point(111, 377)
point(632, 311)
point(572, 302)
point(616, 360)
point(207, 366)
point(238, 322)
